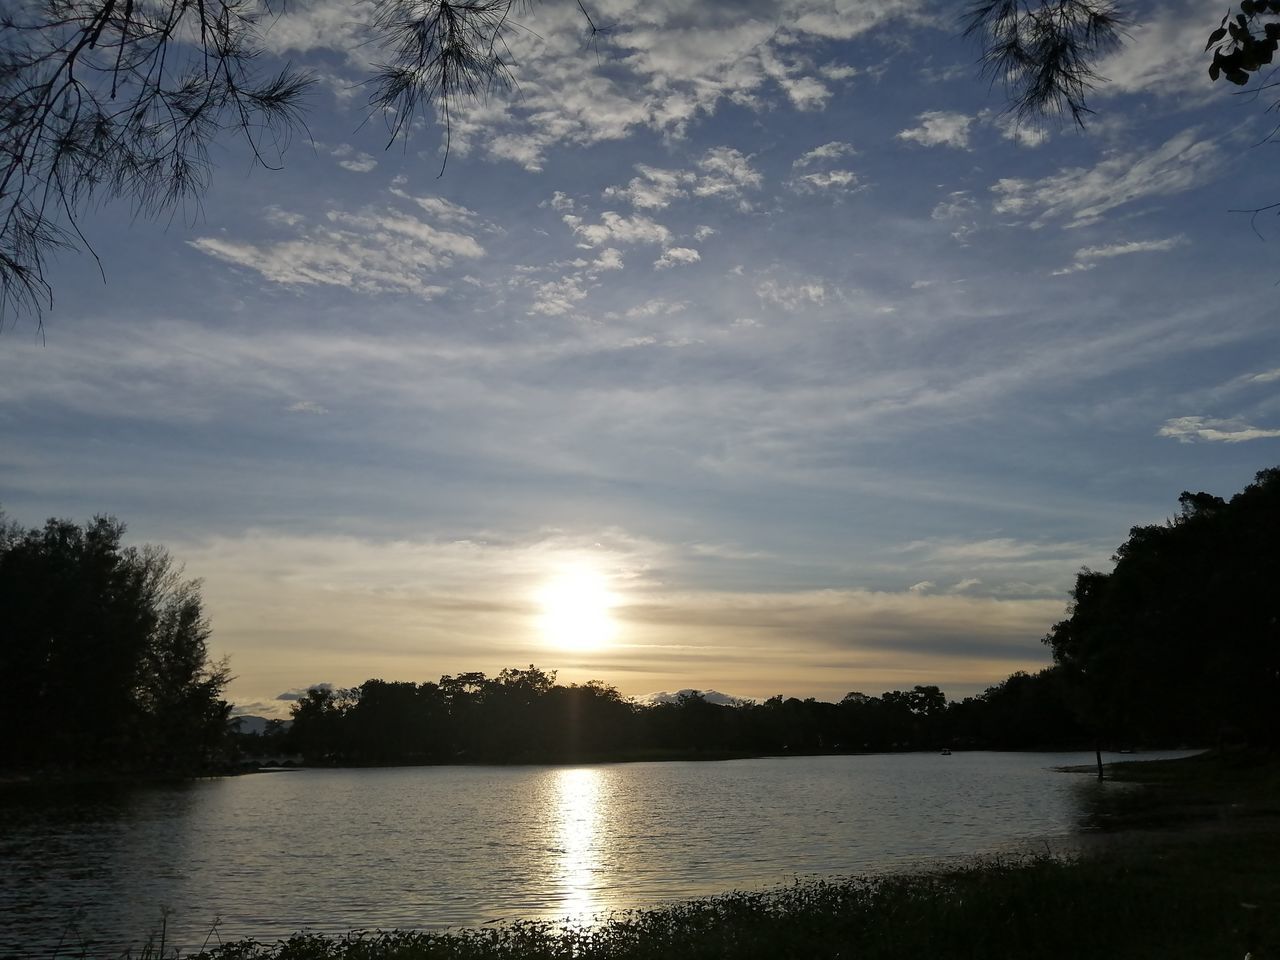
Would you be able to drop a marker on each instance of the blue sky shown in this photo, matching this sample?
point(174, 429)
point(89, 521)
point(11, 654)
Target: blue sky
point(764, 317)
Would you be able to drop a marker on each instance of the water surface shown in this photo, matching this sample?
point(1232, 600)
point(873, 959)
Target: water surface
point(331, 850)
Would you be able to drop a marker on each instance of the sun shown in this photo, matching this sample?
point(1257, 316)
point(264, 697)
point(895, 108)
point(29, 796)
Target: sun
point(576, 611)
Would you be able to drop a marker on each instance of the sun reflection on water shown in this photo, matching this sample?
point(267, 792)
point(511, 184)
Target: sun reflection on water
point(578, 812)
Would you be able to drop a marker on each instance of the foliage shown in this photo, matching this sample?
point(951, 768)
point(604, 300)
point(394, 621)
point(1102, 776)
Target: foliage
point(1044, 51)
point(1245, 41)
point(523, 715)
point(104, 648)
point(107, 99)
point(1182, 639)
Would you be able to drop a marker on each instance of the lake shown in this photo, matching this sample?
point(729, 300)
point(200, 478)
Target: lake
point(269, 854)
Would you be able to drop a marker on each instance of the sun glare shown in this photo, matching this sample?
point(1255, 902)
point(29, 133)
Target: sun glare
point(576, 611)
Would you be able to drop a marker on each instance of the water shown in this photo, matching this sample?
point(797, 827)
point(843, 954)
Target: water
point(333, 850)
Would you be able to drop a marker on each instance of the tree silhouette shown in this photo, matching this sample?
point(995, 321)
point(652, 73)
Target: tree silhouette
point(104, 651)
point(1182, 639)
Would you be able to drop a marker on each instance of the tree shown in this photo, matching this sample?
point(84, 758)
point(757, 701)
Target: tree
point(1243, 44)
point(121, 99)
point(1181, 641)
point(110, 99)
point(104, 650)
point(1044, 51)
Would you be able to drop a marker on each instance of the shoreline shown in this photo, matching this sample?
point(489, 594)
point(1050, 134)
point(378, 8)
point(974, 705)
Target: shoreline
point(117, 777)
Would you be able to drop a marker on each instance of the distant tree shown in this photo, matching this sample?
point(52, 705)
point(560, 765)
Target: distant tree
point(104, 651)
point(320, 730)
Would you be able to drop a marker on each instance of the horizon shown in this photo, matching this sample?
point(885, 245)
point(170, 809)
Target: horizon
point(756, 349)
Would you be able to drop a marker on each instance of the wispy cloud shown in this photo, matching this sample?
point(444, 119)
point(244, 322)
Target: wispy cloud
point(1086, 258)
point(825, 181)
point(834, 150)
point(307, 406)
point(1084, 196)
point(792, 296)
point(1162, 55)
point(1208, 429)
point(371, 250)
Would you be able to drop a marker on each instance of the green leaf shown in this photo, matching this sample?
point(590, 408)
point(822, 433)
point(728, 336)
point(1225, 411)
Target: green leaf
point(1219, 34)
point(1238, 77)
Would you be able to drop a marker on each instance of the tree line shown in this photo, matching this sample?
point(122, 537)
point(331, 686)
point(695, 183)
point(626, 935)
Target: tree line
point(524, 715)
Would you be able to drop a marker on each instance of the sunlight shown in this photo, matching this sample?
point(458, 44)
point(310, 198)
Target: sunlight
point(576, 609)
point(578, 809)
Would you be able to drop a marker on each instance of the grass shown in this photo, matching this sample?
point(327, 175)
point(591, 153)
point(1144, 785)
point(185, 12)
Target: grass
point(1194, 893)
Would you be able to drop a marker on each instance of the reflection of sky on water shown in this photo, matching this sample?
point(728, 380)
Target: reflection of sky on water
point(578, 811)
point(334, 850)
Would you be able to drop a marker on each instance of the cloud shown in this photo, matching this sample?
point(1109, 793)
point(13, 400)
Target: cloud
point(726, 173)
point(371, 250)
point(555, 298)
point(307, 406)
point(349, 158)
point(654, 188)
point(721, 172)
point(834, 150)
point(825, 181)
point(960, 209)
point(711, 696)
point(1207, 429)
point(792, 296)
point(442, 210)
point(663, 67)
point(1021, 132)
point(940, 128)
point(1131, 246)
point(300, 693)
point(1084, 196)
point(858, 623)
point(656, 307)
point(674, 256)
point(615, 228)
point(1086, 258)
point(992, 549)
point(1161, 55)
point(360, 163)
point(560, 201)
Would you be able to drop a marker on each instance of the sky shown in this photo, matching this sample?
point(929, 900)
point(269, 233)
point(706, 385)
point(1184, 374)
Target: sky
point(748, 346)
